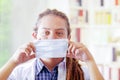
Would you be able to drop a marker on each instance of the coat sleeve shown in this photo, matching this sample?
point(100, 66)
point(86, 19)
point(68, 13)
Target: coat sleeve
point(24, 71)
point(16, 74)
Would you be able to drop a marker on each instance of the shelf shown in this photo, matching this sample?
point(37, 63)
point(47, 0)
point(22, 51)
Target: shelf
point(106, 44)
point(76, 7)
point(87, 26)
point(97, 25)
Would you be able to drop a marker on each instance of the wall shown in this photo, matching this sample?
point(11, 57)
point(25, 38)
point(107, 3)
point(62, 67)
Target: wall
point(23, 18)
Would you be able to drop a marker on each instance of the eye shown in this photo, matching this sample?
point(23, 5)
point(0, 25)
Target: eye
point(47, 32)
point(60, 34)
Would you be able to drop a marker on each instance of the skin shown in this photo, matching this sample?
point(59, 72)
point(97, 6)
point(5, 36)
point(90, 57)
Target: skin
point(51, 27)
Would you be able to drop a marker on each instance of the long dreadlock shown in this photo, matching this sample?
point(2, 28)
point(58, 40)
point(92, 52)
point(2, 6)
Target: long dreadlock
point(74, 71)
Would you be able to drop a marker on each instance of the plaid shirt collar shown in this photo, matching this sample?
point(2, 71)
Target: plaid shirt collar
point(59, 72)
point(40, 66)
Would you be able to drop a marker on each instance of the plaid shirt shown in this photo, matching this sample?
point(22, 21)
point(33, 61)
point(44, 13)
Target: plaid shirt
point(42, 73)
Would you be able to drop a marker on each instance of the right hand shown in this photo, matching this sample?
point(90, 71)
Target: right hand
point(24, 53)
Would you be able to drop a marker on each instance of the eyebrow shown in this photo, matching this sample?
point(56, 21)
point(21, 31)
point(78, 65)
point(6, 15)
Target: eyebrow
point(55, 29)
point(45, 28)
point(60, 29)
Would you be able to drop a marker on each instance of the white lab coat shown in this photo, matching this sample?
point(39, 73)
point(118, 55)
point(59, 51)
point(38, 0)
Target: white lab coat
point(26, 71)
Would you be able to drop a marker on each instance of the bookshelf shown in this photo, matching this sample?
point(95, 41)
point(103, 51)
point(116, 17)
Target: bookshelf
point(98, 17)
point(97, 24)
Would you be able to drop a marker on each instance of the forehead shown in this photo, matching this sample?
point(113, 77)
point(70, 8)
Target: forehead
point(52, 21)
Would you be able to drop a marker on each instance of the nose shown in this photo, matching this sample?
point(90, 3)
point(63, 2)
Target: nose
point(52, 36)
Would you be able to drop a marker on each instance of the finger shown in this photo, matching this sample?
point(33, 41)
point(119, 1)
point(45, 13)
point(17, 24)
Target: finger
point(27, 50)
point(32, 56)
point(69, 52)
point(73, 49)
point(32, 46)
point(78, 54)
point(82, 55)
point(70, 47)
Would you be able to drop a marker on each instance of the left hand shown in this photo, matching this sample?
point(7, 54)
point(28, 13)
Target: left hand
point(79, 51)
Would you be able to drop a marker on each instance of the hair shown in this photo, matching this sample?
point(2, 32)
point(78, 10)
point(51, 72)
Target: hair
point(55, 13)
point(74, 71)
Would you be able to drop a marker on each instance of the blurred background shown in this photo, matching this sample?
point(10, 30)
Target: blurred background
point(96, 23)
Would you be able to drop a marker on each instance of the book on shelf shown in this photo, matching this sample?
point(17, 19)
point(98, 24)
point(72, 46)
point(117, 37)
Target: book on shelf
point(83, 3)
point(115, 73)
point(82, 16)
point(116, 16)
point(117, 2)
point(80, 2)
point(86, 17)
point(78, 34)
point(103, 17)
point(109, 16)
point(80, 12)
point(103, 54)
point(110, 72)
point(102, 2)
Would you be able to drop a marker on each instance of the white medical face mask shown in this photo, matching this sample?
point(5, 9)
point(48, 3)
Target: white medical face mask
point(54, 48)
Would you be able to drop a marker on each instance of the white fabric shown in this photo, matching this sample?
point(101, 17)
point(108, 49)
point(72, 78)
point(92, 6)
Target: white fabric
point(53, 48)
point(26, 71)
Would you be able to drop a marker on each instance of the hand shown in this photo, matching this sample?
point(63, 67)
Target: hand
point(79, 51)
point(24, 53)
